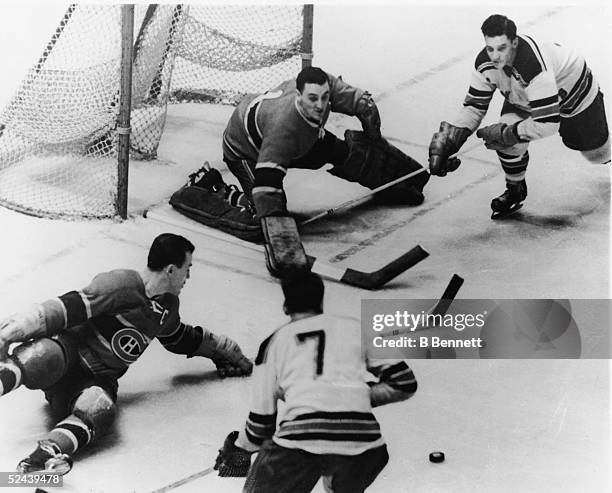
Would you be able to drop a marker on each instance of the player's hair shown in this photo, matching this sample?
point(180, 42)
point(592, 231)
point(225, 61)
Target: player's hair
point(168, 249)
point(310, 75)
point(303, 293)
point(498, 25)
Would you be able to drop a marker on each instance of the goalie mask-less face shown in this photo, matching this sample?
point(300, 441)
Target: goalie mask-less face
point(313, 101)
point(501, 50)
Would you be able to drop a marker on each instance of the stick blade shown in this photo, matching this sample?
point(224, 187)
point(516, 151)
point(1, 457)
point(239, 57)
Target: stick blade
point(448, 295)
point(377, 279)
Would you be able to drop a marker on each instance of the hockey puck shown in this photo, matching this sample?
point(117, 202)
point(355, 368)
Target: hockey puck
point(436, 457)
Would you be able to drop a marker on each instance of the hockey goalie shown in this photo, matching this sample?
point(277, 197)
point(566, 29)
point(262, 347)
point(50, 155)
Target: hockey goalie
point(270, 133)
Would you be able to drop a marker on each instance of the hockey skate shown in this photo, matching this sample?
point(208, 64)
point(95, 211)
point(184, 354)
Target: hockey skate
point(211, 179)
point(510, 201)
point(206, 198)
point(47, 458)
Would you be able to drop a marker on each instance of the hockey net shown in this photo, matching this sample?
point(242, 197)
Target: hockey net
point(58, 133)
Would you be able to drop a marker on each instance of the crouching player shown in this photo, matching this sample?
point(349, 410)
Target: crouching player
point(76, 346)
point(315, 364)
point(547, 87)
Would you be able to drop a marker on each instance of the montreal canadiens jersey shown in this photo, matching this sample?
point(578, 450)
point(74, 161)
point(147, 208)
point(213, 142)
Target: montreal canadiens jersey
point(115, 321)
point(317, 367)
point(547, 81)
point(269, 132)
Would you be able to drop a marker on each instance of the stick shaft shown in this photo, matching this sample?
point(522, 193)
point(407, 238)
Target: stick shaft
point(440, 308)
point(348, 203)
point(183, 481)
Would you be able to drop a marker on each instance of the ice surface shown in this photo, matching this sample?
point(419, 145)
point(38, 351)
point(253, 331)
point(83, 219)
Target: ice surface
point(505, 426)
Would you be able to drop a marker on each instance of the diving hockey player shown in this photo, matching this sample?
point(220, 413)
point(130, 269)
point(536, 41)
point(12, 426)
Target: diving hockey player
point(269, 134)
point(315, 364)
point(76, 346)
point(547, 89)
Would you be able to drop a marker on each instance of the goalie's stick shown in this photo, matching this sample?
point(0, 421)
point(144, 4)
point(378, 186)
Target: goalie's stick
point(367, 195)
point(348, 203)
point(366, 280)
point(440, 308)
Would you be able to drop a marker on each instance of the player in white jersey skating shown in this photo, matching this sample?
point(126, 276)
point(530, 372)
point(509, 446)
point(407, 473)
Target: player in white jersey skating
point(547, 87)
point(316, 365)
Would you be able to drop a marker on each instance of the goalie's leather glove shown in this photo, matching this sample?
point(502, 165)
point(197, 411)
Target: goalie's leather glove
point(233, 461)
point(368, 115)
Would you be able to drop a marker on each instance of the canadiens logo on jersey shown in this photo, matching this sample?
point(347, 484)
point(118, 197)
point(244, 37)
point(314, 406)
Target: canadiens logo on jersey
point(128, 344)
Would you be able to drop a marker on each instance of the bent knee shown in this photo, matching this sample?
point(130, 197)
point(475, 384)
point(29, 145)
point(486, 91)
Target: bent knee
point(96, 408)
point(42, 362)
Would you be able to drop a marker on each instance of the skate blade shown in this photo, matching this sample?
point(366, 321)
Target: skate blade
point(508, 213)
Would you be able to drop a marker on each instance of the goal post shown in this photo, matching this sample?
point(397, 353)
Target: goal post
point(65, 134)
point(125, 106)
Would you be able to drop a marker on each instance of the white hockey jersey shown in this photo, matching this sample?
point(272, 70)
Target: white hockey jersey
point(547, 81)
point(317, 367)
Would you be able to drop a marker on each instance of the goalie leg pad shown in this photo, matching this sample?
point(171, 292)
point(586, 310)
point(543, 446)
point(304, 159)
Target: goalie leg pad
point(284, 250)
point(42, 362)
point(215, 210)
point(375, 162)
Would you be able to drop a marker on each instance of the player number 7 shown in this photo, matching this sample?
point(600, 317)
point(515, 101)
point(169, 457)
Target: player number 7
point(319, 335)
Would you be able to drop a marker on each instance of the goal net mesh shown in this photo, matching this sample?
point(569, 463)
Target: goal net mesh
point(58, 133)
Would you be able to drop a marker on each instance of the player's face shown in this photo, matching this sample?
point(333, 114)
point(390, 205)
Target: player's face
point(313, 101)
point(501, 50)
point(179, 275)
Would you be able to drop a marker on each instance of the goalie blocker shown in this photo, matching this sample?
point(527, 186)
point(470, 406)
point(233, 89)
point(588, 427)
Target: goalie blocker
point(375, 162)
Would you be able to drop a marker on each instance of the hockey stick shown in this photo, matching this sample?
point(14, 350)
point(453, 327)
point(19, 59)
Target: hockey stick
point(366, 280)
point(183, 481)
point(440, 308)
point(348, 203)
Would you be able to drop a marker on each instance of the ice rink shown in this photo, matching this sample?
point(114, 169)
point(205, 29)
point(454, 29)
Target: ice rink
point(505, 425)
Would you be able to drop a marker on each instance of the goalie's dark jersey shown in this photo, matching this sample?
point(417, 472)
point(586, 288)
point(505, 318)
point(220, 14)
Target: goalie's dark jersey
point(115, 321)
point(269, 132)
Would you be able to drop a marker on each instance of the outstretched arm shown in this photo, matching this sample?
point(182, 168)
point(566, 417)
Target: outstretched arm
point(396, 382)
point(109, 291)
point(234, 456)
point(351, 101)
point(181, 338)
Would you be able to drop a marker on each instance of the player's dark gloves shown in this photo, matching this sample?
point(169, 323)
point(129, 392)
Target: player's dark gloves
point(499, 136)
point(233, 461)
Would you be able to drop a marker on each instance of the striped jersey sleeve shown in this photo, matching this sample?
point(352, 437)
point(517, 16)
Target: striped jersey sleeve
point(479, 94)
point(261, 421)
point(181, 338)
point(396, 382)
point(108, 292)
